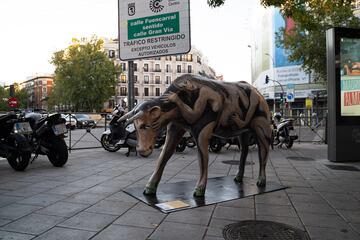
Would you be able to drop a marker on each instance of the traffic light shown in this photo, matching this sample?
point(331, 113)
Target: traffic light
point(281, 97)
point(266, 79)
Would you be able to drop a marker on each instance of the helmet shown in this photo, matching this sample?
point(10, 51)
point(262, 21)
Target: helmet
point(277, 115)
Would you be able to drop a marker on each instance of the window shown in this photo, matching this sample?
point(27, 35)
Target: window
point(178, 68)
point(189, 58)
point(135, 78)
point(123, 91)
point(136, 90)
point(157, 68)
point(178, 57)
point(123, 66)
point(135, 67)
point(146, 79)
point(168, 69)
point(189, 69)
point(146, 91)
point(157, 91)
point(168, 80)
point(157, 80)
point(123, 78)
point(168, 58)
point(146, 67)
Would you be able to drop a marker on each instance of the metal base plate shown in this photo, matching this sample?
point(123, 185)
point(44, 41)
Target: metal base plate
point(180, 195)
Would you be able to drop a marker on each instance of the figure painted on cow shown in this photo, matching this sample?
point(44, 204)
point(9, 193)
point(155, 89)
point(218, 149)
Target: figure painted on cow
point(203, 107)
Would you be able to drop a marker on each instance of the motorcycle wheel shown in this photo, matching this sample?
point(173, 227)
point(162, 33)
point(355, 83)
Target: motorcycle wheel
point(289, 144)
point(107, 145)
point(58, 154)
point(215, 145)
point(181, 146)
point(19, 162)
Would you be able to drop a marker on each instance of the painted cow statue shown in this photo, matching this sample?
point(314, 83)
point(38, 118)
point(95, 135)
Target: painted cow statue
point(203, 107)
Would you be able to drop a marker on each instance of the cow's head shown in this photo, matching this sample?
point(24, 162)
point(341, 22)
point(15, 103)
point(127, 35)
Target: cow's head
point(144, 117)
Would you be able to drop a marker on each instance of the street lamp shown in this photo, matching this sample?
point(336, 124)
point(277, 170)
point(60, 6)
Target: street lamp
point(273, 68)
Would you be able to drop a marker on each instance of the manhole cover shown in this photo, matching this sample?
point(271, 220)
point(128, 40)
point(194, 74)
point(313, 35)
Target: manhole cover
point(343, 167)
point(235, 162)
point(296, 158)
point(256, 230)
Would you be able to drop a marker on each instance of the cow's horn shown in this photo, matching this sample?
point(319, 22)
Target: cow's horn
point(126, 116)
point(139, 114)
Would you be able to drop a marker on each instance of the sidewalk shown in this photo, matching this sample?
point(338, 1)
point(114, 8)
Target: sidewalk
point(83, 200)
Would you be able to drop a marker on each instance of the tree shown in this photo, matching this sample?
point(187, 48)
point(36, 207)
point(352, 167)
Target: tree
point(84, 76)
point(307, 41)
point(21, 95)
point(3, 102)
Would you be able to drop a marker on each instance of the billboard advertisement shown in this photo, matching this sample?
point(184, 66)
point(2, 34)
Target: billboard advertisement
point(350, 77)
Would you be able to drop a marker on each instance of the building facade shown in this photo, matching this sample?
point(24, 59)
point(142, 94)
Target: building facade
point(272, 61)
point(154, 75)
point(39, 88)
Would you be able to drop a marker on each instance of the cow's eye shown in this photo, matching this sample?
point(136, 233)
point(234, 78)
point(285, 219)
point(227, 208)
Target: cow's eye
point(144, 126)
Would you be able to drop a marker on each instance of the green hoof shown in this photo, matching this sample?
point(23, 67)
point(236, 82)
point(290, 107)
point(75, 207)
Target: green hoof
point(150, 189)
point(238, 179)
point(199, 192)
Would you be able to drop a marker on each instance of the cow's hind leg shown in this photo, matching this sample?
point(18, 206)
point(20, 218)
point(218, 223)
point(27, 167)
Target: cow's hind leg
point(261, 127)
point(173, 136)
point(244, 153)
point(202, 140)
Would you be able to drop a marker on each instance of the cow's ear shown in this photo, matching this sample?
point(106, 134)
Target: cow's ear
point(155, 112)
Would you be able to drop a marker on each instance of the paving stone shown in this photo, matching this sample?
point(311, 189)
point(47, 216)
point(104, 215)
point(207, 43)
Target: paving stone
point(140, 206)
point(322, 220)
point(33, 224)
point(178, 231)
point(89, 221)
point(110, 207)
point(350, 216)
point(7, 200)
point(274, 198)
point(234, 213)
point(141, 219)
point(292, 221)
point(275, 210)
point(314, 208)
point(119, 232)
point(247, 202)
point(317, 233)
point(42, 199)
point(122, 197)
point(311, 198)
point(14, 236)
point(85, 198)
point(66, 190)
point(64, 209)
point(15, 211)
point(190, 217)
point(356, 227)
point(58, 233)
point(4, 221)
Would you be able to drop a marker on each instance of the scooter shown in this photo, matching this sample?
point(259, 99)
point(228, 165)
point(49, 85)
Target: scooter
point(119, 135)
point(284, 132)
point(14, 143)
point(48, 137)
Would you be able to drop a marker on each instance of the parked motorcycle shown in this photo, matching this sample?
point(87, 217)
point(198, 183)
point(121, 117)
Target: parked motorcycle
point(119, 135)
point(48, 137)
point(284, 132)
point(186, 141)
point(216, 143)
point(14, 145)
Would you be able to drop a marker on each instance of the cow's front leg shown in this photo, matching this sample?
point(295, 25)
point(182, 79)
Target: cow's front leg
point(173, 136)
point(202, 140)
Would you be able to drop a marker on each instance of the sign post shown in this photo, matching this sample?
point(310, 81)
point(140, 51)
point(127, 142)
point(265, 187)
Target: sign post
point(152, 28)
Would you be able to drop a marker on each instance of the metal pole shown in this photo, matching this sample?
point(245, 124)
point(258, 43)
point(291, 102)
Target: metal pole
point(131, 90)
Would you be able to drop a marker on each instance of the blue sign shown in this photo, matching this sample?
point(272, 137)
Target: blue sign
point(290, 97)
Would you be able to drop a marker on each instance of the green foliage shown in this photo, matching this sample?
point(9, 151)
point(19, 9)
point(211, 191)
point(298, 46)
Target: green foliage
point(84, 76)
point(307, 42)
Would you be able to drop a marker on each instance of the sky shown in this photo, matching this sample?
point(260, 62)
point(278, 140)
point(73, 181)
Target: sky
point(31, 31)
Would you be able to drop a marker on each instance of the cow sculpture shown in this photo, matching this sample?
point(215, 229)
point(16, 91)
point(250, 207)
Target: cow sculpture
point(204, 107)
